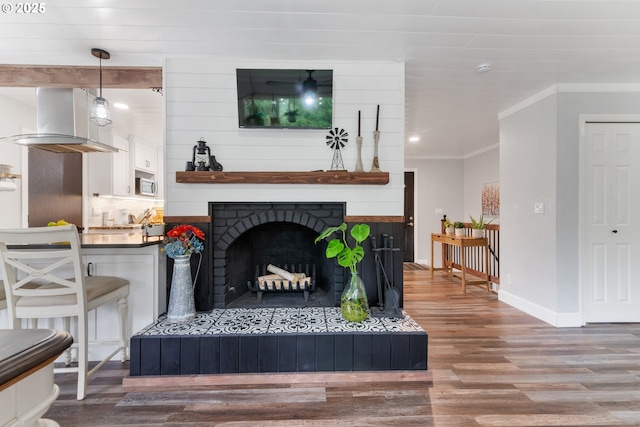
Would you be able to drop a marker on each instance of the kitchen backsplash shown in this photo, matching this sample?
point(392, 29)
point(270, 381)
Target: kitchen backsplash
point(115, 208)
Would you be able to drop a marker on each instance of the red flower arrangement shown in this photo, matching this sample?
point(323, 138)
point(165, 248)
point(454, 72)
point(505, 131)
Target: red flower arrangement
point(183, 240)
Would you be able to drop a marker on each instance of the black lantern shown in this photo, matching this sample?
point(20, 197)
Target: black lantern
point(201, 154)
point(202, 160)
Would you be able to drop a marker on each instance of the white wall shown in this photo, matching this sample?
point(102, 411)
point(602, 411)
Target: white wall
point(539, 162)
point(16, 116)
point(453, 186)
point(200, 96)
point(479, 169)
point(571, 104)
point(528, 175)
point(440, 185)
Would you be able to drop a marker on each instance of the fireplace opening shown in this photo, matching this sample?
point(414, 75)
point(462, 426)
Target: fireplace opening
point(279, 244)
point(254, 235)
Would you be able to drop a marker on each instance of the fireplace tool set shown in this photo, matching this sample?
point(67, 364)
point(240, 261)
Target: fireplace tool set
point(391, 296)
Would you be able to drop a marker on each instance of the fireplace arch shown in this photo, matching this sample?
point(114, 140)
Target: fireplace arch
point(250, 234)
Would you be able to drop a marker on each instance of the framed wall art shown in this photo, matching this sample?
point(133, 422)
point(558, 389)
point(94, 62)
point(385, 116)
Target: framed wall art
point(491, 199)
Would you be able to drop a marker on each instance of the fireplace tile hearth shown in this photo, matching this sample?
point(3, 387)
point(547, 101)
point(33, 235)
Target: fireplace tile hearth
point(277, 340)
point(284, 320)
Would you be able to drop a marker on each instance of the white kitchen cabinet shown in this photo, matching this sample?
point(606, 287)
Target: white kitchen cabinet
point(110, 173)
point(145, 158)
point(145, 270)
point(147, 291)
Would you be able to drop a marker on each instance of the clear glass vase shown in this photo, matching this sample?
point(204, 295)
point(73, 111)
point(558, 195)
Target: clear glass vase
point(354, 303)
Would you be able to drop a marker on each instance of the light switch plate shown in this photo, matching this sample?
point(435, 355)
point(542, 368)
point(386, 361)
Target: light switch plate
point(538, 208)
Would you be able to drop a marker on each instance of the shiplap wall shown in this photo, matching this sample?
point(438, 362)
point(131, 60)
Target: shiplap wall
point(200, 97)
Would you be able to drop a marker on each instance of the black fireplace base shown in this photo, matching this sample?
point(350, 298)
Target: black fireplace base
point(268, 340)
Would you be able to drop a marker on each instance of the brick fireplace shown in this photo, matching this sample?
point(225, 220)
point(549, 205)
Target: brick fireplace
point(261, 233)
point(261, 339)
point(252, 234)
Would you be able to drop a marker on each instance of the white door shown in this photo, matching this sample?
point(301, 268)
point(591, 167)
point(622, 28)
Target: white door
point(611, 236)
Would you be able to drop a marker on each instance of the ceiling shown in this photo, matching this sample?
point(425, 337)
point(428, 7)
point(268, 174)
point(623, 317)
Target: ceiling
point(530, 45)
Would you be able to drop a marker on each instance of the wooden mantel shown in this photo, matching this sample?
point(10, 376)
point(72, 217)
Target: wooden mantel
point(318, 177)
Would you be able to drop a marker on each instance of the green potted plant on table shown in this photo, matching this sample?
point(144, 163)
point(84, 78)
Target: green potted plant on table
point(459, 228)
point(353, 303)
point(478, 226)
point(448, 226)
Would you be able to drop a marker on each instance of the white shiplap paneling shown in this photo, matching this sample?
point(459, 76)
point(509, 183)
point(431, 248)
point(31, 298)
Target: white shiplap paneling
point(201, 103)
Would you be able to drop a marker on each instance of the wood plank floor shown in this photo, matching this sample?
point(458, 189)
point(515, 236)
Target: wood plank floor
point(492, 365)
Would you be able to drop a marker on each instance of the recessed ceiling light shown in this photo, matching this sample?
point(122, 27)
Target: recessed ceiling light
point(414, 139)
point(121, 106)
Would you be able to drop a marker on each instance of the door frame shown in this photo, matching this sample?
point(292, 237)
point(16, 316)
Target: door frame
point(583, 119)
point(416, 223)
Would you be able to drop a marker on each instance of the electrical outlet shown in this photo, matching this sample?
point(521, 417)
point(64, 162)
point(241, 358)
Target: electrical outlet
point(538, 208)
point(439, 211)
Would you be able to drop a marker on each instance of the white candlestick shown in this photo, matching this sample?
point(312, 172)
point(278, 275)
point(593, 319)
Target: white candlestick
point(359, 167)
point(376, 165)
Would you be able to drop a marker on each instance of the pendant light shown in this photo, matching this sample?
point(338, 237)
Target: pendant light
point(310, 90)
point(100, 113)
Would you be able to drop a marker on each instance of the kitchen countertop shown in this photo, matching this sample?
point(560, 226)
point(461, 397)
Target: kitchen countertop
point(118, 240)
point(124, 239)
point(23, 350)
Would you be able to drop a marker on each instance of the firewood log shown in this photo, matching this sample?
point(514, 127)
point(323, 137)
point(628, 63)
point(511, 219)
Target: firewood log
point(292, 277)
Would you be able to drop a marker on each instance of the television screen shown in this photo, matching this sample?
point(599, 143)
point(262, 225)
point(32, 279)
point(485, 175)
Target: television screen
point(296, 99)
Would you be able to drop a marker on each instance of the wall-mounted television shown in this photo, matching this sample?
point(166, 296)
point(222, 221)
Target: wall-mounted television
point(285, 99)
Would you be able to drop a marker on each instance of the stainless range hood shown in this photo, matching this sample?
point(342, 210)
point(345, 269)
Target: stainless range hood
point(63, 126)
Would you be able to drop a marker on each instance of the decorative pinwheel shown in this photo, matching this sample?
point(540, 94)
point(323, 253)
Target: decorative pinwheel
point(336, 140)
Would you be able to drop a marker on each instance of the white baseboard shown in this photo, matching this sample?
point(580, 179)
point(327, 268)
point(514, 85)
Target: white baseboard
point(570, 320)
point(559, 320)
point(422, 261)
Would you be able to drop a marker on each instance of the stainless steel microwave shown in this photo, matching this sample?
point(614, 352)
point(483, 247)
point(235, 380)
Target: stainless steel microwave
point(146, 187)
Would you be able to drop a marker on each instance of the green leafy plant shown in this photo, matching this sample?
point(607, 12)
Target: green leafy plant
point(339, 248)
point(255, 117)
point(480, 223)
point(458, 224)
point(447, 223)
point(353, 303)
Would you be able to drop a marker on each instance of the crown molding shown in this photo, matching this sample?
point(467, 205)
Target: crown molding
point(552, 90)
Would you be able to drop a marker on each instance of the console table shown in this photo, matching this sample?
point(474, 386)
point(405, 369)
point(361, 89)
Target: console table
point(462, 242)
